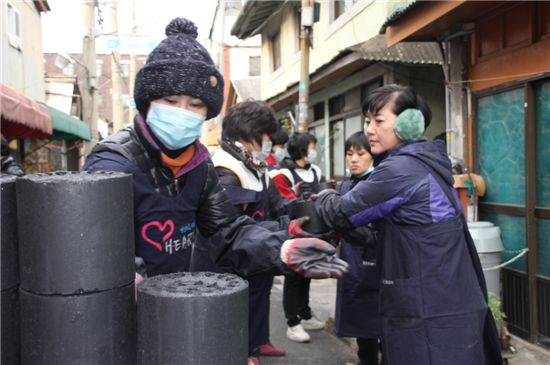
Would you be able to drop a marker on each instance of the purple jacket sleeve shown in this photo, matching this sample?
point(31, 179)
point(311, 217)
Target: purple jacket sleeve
point(383, 192)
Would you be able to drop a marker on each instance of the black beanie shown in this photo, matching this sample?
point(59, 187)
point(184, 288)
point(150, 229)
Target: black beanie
point(179, 65)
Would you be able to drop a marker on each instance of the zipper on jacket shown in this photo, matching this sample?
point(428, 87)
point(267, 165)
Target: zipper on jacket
point(176, 185)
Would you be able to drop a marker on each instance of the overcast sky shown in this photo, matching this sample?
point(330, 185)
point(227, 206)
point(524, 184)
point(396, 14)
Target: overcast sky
point(62, 29)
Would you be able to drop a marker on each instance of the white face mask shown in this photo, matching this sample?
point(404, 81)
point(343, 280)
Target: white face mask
point(311, 156)
point(261, 156)
point(279, 154)
point(174, 127)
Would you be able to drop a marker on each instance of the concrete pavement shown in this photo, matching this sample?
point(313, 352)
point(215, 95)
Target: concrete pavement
point(527, 353)
point(327, 349)
point(324, 348)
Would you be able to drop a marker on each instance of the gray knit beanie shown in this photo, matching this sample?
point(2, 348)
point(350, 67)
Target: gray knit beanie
point(179, 65)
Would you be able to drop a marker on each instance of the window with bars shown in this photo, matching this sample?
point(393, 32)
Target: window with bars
point(336, 105)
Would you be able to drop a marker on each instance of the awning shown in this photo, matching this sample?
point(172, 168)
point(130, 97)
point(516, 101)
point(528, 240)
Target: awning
point(253, 16)
point(23, 117)
point(67, 127)
point(434, 20)
point(355, 58)
point(423, 53)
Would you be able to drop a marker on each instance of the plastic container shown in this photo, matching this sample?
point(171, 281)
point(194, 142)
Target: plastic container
point(489, 246)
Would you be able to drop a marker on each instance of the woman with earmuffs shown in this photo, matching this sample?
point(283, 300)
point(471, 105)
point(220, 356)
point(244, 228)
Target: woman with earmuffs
point(433, 296)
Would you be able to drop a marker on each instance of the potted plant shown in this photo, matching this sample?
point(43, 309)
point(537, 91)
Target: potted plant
point(495, 307)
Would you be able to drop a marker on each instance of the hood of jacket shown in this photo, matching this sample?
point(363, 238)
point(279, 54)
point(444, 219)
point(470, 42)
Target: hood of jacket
point(431, 153)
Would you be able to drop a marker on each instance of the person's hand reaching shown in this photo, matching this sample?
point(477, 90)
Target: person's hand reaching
point(313, 258)
point(295, 227)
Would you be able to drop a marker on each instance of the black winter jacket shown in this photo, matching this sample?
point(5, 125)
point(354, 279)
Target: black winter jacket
point(237, 243)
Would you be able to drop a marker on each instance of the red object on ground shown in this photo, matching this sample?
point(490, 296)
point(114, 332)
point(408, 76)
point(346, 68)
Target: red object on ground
point(268, 349)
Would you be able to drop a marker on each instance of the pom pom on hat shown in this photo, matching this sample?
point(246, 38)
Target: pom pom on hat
point(409, 125)
point(181, 25)
point(179, 65)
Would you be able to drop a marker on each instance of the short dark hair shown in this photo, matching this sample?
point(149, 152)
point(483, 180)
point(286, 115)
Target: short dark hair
point(279, 137)
point(357, 140)
point(402, 97)
point(298, 144)
point(248, 121)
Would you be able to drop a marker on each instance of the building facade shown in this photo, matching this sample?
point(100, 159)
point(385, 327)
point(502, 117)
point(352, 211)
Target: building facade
point(237, 60)
point(26, 124)
point(66, 81)
point(347, 59)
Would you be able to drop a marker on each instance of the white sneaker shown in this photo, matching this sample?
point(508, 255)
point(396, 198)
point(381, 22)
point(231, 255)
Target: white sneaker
point(312, 324)
point(297, 333)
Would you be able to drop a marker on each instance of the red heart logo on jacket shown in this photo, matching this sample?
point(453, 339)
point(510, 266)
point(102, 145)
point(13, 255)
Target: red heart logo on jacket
point(169, 224)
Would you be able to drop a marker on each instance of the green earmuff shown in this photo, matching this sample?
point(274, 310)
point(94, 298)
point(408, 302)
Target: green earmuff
point(410, 125)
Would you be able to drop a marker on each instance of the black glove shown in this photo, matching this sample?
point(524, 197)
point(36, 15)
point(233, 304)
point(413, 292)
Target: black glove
point(314, 197)
point(312, 258)
point(295, 229)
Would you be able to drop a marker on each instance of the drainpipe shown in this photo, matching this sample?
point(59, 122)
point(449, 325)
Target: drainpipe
point(469, 131)
point(445, 46)
point(446, 73)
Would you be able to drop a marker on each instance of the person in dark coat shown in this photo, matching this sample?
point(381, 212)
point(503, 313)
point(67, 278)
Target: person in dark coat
point(9, 166)
point(297, 178)
point(433, 295)
point(356, 313)
point(175, 186)
point(241, 168)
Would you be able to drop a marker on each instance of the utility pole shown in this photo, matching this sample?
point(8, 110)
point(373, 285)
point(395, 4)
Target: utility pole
point(303, 87)
point(132, 73)
point(89, 59)
point(116, 82)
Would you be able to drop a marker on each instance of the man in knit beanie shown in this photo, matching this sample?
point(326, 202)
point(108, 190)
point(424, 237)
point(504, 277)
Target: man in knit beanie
point(175, 186)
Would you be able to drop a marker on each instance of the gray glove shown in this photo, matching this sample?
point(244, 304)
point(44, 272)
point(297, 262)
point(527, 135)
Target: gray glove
point(313, 258)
